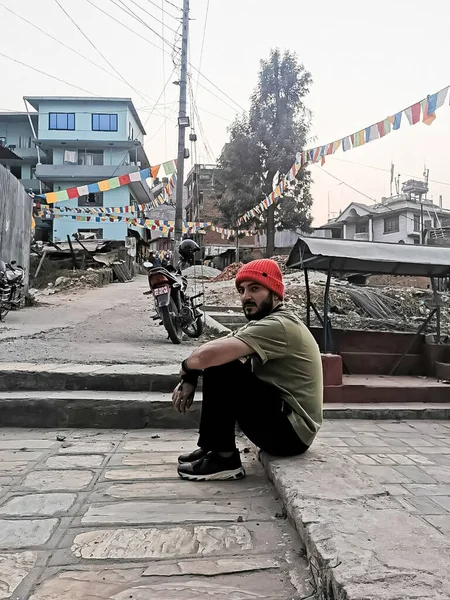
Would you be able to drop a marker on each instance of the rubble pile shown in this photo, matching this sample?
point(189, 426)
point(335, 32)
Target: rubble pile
point(281, 260)
point(229, 272)
point(202, 272)
point(375, 308)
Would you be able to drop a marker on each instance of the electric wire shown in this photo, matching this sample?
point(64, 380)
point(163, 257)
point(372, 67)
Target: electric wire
point(350, 162)
point(135, 33)
point(386, 207)
point(19, 62)
point(203, 45)
point(162, 9)
point(144, 97)
point(119, 78)
point(174, 5)
point(153, 16)
point(127, 10)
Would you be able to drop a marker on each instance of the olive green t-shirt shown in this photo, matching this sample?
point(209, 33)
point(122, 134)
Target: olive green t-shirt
point(287, 357)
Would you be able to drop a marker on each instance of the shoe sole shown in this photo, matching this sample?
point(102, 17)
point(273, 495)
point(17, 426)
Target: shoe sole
point(221, 476)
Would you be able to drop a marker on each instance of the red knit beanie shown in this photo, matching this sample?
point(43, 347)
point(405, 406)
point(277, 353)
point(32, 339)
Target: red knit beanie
point(265, 272)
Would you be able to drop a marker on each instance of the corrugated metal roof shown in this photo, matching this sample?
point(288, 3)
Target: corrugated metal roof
point(370, 257)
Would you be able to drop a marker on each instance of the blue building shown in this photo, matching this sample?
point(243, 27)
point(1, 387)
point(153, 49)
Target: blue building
point(83, 140)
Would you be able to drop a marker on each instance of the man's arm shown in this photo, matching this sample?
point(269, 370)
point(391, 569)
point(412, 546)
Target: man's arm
point(217, 352)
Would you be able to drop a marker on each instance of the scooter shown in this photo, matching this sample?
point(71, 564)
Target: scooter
point(12, 277)
point(174, 308)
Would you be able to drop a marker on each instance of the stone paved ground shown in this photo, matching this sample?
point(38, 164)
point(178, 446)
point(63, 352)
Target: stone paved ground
point(410, 459)
point(102, 514)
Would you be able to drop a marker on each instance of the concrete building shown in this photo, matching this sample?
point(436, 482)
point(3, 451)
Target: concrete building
point(86, 140)
point(401, 219)
point(18, 153)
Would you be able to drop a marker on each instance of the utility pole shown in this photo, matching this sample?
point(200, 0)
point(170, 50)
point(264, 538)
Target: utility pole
point(183, 122)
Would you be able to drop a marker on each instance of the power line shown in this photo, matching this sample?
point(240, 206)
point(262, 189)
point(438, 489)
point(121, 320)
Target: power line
point(350, 162)
point(98, 51)
point(162, 9)
point(153, 16)
point(127, 10)
point(62, 43)
point(48, 75)
point(385, 207)
point(346, 184)
point(203, 44)
point(135, 33)
point(174, 5)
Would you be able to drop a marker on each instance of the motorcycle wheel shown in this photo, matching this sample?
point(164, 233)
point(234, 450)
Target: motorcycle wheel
point(169, 319)
point(3, 312)
point(196, 329)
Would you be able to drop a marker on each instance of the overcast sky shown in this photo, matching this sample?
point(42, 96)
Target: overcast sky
point(368, 60)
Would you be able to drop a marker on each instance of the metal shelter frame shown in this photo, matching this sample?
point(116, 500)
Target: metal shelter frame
point(349, 256)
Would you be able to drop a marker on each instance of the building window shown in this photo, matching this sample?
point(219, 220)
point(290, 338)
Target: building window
point(416, 222)
point(362, 228)
point(24, 142)
point(102, 122)
point(427, 224)
point(391, 225)
point(89, 158)
point(336, 233)
point(93, 199)
point(64, 121)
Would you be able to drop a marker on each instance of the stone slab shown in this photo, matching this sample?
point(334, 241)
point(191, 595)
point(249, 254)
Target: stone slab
point(137, 513)
point(210, 567)
point(13, 455)
point(24, 533)
point(169, 491)
point(125, 584)
point(363, 543)
point(86, 447)
point(145, 543)
point(75, 460)
point(38, 505)
point(178, 542)
point(22, 443)
point(64, 480)
point(14, 567)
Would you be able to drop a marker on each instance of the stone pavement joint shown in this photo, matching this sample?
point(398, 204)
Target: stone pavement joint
point(103, 514)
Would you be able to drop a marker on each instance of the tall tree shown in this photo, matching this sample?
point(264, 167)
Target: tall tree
point(262, 146)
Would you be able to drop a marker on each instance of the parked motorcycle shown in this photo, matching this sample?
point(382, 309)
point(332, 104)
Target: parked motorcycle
point(174, 307)
point(12, 277)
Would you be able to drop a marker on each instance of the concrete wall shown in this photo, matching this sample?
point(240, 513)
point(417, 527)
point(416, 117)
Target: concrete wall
point(405, 227)
point(65, 226)
point(83, 120)
point(15, 220)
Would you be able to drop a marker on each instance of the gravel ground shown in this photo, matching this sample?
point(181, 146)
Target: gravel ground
point(108, 325)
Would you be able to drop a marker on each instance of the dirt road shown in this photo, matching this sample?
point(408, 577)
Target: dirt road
point(108, 325)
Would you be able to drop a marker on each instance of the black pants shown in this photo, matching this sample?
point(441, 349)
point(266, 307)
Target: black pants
point(233, 394)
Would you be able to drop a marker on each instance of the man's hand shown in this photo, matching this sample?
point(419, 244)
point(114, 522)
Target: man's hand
point(183, 396)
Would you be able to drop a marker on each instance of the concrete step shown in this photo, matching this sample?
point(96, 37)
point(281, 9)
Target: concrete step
point(54, 377)
point(372, 389)
point(136, 410)
point(378, 363)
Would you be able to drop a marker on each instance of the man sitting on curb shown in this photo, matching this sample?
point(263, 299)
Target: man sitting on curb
point(267, 377)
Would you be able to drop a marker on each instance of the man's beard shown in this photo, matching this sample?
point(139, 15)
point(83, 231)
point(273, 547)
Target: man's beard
point(264, 309)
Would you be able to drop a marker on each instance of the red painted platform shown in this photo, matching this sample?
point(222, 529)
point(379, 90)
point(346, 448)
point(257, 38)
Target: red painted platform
point(363, 389)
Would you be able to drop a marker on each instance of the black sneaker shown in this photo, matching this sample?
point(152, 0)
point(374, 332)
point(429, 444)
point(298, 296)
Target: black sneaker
point(193, 456)
point(213, 467)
